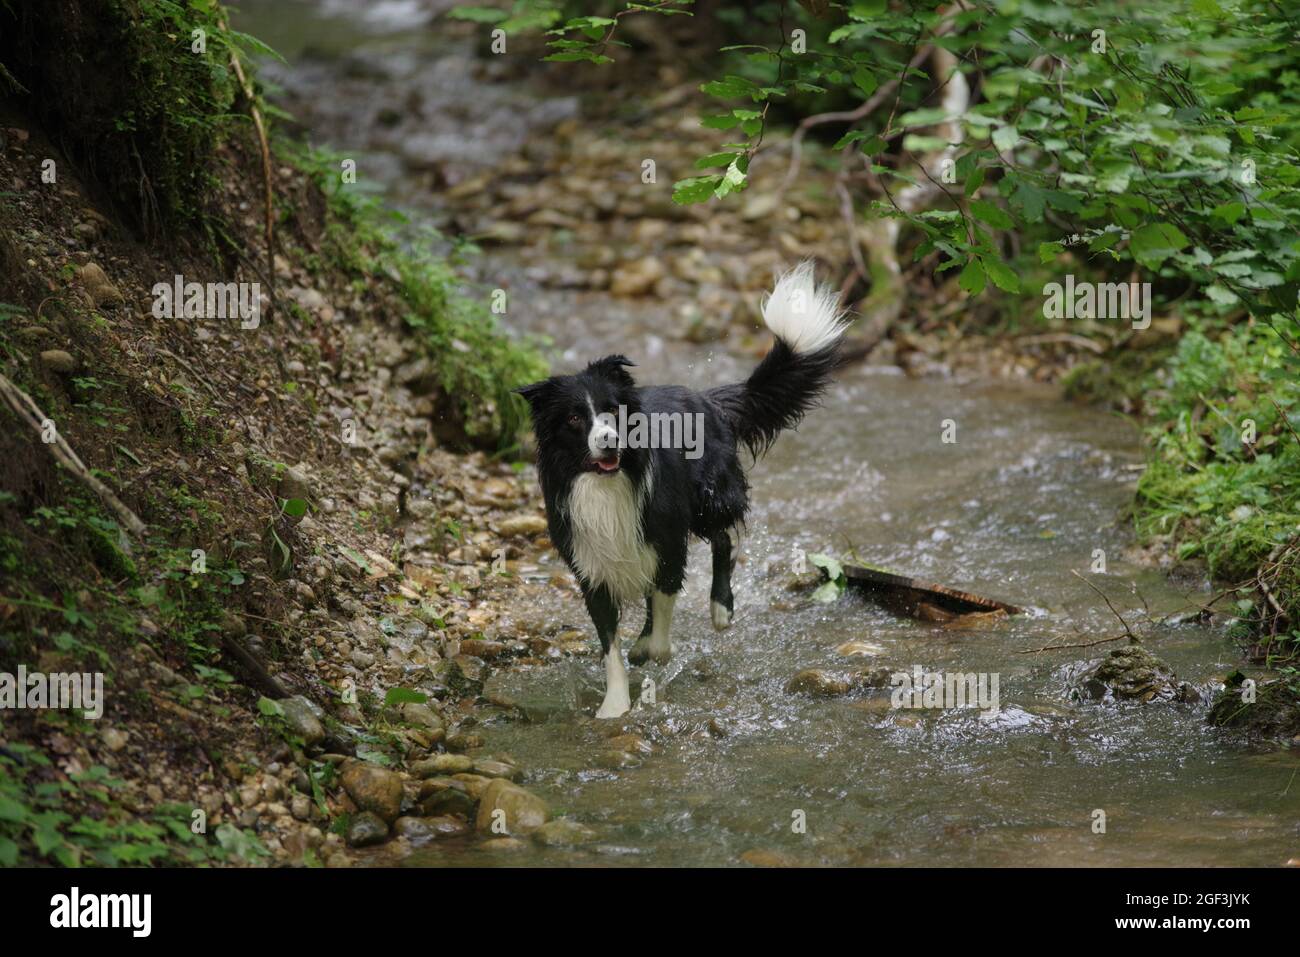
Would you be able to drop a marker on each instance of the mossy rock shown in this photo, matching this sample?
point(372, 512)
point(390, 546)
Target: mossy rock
point(1274, 714)
point(1132, 674)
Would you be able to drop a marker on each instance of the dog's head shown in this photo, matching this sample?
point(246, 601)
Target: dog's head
point(576, 417)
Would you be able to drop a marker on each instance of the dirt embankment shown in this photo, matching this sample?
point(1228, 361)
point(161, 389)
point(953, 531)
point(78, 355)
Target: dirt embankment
point(321, 575)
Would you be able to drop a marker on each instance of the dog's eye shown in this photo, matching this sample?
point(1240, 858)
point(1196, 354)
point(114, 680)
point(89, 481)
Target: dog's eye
point(575, 421)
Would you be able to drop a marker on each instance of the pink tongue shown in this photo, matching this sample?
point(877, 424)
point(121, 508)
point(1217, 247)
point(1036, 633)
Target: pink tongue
point(607, 465)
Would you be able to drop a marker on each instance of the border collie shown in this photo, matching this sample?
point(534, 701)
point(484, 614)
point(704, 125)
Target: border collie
point(621, 509)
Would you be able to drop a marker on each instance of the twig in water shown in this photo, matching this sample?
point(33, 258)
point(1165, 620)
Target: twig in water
point(1127, 630)
point(1080, 644)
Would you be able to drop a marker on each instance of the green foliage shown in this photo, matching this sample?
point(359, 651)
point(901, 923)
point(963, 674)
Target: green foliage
point(835, 583)
point(1224, 477)
point(477, 364)
point(1163, 136)
point(138, 91)
point(77, 820)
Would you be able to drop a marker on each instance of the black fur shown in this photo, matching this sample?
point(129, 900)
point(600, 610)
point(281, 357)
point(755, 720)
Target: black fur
point(705, 496)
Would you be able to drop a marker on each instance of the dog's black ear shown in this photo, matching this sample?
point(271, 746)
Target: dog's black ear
point(613, 368)
point(537, 393)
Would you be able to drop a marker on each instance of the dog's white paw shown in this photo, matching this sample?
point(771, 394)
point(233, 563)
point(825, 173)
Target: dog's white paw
point(647, 649)
point(614, 707)
point(721, 616)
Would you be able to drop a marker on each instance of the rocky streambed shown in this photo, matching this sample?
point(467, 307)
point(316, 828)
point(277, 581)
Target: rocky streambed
point(777, 742)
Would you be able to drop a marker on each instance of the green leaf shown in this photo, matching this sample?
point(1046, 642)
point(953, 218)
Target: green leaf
point(714, 159)
point(294, 507)
point(729, 88)
point(986, 212)
point(828, 591)
point(865, 81)
point(834, 570)
point(477, 14)
point(396, 696)
point(11, 810)
point(734, 179)
point(972, 277)
point(1153, 243)
point(269, 707)
point(695, 189)
point(1005, 138)
point(1229, 212)
point(1002, 275)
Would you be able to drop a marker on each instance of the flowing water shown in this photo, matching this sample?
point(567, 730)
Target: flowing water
point(1019, 502)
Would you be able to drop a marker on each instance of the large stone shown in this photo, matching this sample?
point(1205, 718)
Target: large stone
point(520, 811)
point(294, 484)
point(453, 799)
point(303, 719)
point(366, 829)
point(374, 789)
point(95, 281)
point(525, 525)
point(56, 360)
point(1132, 673)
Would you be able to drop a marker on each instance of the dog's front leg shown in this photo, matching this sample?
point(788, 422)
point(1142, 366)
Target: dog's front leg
point(604, 614)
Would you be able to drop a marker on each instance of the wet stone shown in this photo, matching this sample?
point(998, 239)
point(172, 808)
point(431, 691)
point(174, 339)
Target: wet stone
point(366, 829)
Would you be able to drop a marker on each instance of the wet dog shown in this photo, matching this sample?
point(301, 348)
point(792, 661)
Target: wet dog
point(630, 472)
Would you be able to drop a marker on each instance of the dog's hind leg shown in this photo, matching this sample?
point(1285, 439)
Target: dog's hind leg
point(722, 602)
point(604, 614)
point(656, 644)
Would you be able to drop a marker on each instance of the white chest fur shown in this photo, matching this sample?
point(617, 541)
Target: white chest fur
point(609, 547)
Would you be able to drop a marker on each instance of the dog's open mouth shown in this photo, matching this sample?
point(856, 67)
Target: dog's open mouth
point(607, 464)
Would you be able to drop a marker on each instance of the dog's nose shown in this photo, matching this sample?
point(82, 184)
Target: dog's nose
point(603, 436)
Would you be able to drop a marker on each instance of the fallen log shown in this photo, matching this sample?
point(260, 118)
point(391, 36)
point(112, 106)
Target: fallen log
point(927, 601)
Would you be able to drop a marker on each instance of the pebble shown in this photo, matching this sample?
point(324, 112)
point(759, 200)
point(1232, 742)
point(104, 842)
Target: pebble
point(366, 829)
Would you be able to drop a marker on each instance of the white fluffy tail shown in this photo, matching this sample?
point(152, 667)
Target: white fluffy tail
point(806, 316)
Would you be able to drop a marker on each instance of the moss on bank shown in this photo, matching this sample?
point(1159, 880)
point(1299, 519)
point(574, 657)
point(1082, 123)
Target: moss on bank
point(1223, 480)
point(158, 174)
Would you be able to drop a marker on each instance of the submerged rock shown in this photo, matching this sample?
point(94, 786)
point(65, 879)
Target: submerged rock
point(563, 833)
point(1132, 674)
point(521, 811)
point(1273, 715)
point(821, 683)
